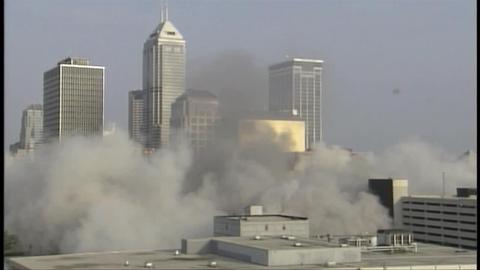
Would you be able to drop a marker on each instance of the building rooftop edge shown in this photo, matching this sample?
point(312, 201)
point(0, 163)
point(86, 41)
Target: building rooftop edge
point(259, 216)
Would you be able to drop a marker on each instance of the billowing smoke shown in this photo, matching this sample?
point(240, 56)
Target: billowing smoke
point(93, 195)
point(235, 77)
point(103, 195)
point(90, 195)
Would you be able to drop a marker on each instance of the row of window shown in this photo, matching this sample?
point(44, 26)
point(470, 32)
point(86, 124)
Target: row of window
point(437, 219)
point(440, 204)
point(440, 212)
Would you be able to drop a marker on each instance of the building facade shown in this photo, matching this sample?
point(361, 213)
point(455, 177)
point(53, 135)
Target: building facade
point(136, 127)
point(163, 81)
point(389, 192)
point(31, 131)
point(295, 86)
point(288, 133)
point(450, 221)
point(73, 99)
point(194, 115)
point(255, 223)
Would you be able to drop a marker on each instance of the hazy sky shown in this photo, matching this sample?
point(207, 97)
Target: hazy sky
point(425, 49)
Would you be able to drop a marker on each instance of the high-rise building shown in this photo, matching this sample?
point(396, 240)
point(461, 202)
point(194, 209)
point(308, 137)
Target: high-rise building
point(163, 80)
point(390, 191)
point(295, 86)
point(135, 116)
point(195, 114)
point(73, 93)
point(31, 131)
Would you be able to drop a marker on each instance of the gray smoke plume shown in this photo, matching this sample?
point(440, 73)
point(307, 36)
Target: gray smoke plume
point(95, 195)
point(234, 76)
point(91, 195)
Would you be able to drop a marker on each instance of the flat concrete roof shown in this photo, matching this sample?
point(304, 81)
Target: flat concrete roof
point(165, 259)
point(277, 242)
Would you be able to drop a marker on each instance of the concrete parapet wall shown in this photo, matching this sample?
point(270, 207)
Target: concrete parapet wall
point(197, 246)
point(313, 256)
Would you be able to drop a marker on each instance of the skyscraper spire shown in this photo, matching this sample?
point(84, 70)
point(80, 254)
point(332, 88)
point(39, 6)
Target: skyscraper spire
point(161, 11)
point(166, 10)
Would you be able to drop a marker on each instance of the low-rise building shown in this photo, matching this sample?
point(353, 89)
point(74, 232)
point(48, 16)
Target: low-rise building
point(258, 224)
point(450, 221)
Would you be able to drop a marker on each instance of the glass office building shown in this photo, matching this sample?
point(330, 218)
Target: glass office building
point(295, 86)
point(73, 99)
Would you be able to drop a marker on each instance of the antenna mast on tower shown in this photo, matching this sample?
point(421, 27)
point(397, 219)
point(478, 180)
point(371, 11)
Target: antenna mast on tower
point(166, 10)
point(161, 11)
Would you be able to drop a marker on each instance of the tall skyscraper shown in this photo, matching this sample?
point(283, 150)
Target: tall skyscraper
point(31, 131)
point(163, 80)
point(295, 86)
point(195, 114)
point(73, 94)
point(135, 116)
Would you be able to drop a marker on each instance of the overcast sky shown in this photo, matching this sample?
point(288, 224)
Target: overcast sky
point(425, 49)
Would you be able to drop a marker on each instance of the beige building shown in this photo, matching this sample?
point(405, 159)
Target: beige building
point(289, 133)
point(163, 80)
point(267, 127)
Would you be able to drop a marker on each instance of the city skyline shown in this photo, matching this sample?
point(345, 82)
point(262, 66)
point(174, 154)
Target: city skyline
point(423, 94)
point(344, 121)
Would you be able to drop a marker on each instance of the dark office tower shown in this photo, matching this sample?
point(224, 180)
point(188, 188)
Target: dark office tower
point(135, 116)
point(194, 115)
point(295, 86)
point(163, 80)
point(73, 93)
point(390, 191)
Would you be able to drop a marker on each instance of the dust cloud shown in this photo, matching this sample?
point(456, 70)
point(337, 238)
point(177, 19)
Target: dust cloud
point(95, 195)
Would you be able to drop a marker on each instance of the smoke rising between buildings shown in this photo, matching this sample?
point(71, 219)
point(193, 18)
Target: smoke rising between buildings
point(90, 195)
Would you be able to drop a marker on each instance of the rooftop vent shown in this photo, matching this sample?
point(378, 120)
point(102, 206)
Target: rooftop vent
point(330, 263)
point(254, 210)
point(463, 192)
